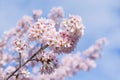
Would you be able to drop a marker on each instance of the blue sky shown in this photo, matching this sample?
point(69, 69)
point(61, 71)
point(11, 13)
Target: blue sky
point(100, 17)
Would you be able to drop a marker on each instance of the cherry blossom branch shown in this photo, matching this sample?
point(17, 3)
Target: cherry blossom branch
point(42, 48)
point(20, 62)
point(60, 34)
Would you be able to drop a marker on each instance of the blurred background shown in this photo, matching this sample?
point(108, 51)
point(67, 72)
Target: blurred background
point(100, 17)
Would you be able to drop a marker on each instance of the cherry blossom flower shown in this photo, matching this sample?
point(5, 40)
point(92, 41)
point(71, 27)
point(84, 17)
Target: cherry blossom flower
point(37, 14)
point(25, 73)
point(56, 14)
point(20, 45)
point(49, 62)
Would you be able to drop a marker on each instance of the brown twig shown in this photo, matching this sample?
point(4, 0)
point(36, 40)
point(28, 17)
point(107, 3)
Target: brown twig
point(20, 58)
point(42, 48)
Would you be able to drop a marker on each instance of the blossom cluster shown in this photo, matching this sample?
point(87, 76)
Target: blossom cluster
point(64, 40)
point(32, 50)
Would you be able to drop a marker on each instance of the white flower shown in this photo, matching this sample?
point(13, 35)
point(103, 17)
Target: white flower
point(25, 73)
point(19, 45)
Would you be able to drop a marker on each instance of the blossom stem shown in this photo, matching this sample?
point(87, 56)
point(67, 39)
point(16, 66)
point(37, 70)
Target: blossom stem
point(20, 58)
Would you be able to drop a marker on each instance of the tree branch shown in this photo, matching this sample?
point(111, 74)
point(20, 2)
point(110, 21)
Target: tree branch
point(42, 48)
point(20, 58)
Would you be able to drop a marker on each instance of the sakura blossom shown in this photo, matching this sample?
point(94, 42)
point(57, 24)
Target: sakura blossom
point(32, 49)
point(37, 14)
point(20, 45)
point(56, 14)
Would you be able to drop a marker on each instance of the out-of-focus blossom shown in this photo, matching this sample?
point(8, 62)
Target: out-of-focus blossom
point(56, 14)
point(4, 58)
point(9, 69)
point(94, 51)
point(2, 73)
point(23, 25)
point(37, 14)
point(25, 20)
point(1, 46)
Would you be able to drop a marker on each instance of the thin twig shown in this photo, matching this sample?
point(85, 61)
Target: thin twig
point(20, 58)
point(17, 76)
